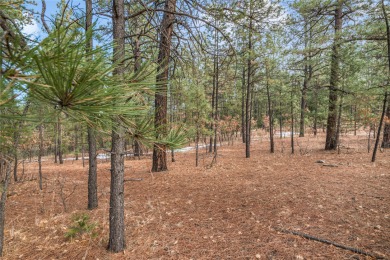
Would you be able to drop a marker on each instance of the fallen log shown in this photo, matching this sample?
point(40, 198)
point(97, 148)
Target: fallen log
point(310, 237)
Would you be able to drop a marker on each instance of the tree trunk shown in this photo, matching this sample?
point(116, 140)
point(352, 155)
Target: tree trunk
point(386, 131)
point(59, 140)
point(197, 145)
point(16, 156)
point(76, 142)
point(3, 199)
point(137, 65)
point(303, 107)
point(379, 129)
point(82, 148)
point(270, 112)
point(216, 112)
point(16, 140)
point(212, 124)
point(55, 143)
point(243, 124)
point(92, 170)
point(160, 103)
point(292, 123)
point(307, 77)
point(117, 214)
point(315, 127)
point(40, 154)
point(338, 131)
point(248, 91)
point(331, 126)
point(355, 120)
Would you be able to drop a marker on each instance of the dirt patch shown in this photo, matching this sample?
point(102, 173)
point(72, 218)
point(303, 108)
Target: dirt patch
point(227, 211)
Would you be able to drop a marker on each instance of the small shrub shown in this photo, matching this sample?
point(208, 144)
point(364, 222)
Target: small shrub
point(81, 225)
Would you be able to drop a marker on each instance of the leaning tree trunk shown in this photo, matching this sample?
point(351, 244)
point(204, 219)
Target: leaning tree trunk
point(379, 129)
point(92, 170)
point(161, 101)
point(386, 132)
point(331, 127)
point(117, 214)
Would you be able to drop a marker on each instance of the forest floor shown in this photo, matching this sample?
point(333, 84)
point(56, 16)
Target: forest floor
point(234, 209)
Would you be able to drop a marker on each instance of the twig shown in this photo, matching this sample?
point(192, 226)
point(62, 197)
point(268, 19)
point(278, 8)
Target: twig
point(62, 194)
point(133, 179)
point(310, 237)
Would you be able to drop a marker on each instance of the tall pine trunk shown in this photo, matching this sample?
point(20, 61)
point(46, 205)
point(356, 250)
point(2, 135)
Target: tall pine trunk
point(292, 122)
point(308, 73)
point(40, 154)
point(248, 91)
point(117, 217)
point(92, 170)
point(243, 94)
point(137, 65)
point(386, 131)
point(161, 100)
point(216, 75)
point(331, 126)
point(270, 111)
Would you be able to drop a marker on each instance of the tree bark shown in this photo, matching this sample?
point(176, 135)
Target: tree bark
point(40, 154)
point(292, 122)
point(243, 91)
point(386, 131)
point(3, 200)
point(270, 112)
point(117, 214)
point(55, 143)
point(212, 123)
point(76, 142)
point(137, 65)
point(59, 140)
point(161, 101)
point(331, 126)
point(17, 139)
point(248, 90)
point(216, 74)
point(307, 78)
point(379, 129)
point(338, 131)
point(92, 170)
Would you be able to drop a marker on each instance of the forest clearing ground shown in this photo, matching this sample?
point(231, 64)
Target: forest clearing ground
point(227, 211)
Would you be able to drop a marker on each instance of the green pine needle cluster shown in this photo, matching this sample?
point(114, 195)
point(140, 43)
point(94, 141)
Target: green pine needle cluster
point(81, 225)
